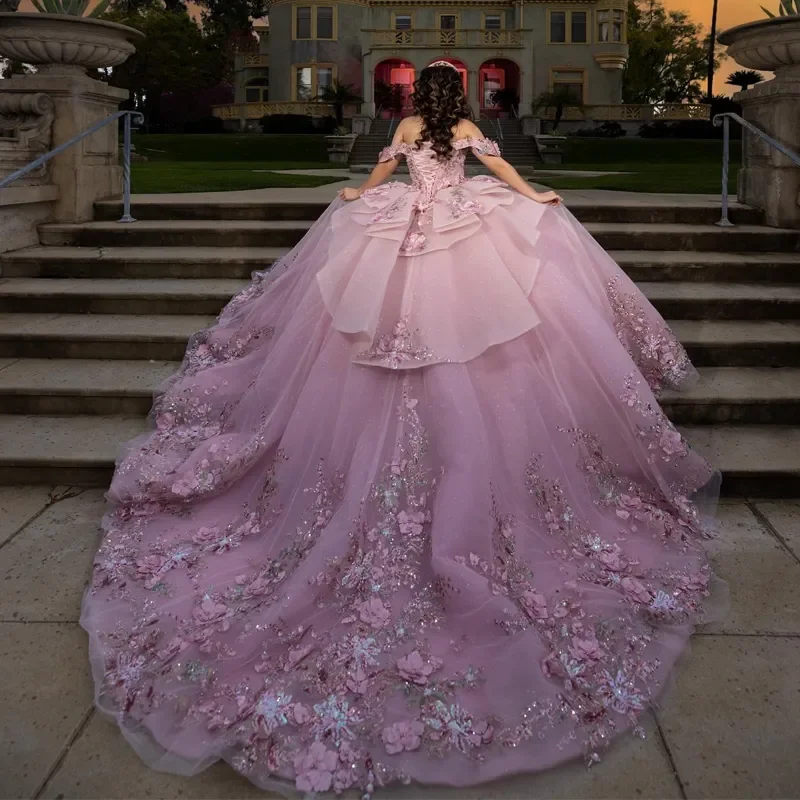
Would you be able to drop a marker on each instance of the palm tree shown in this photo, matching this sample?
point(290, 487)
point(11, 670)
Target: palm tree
point(559, 99)
point(744, 78)
point(339, 95)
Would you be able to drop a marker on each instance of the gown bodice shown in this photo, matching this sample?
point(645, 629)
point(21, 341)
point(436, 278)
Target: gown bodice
point(430, 174)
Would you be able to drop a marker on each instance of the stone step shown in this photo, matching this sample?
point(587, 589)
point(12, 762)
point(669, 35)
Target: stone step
point(739, 343)
point(718, 301)
point(112, 295)
point(177, 233)
point(102, 336)
point(278, 233)
point(675, 300)
point(704, 238)
point(241, 262)
point(155, 207)
point(757, 395)
point(756, 460)
point(81, 386)
point(680, 265)
point(139, 262)
point(752, 395)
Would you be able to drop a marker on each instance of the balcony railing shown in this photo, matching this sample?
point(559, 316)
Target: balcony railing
point(258, 110)
point(254, 60)
point(434, 37)
point(667, 112)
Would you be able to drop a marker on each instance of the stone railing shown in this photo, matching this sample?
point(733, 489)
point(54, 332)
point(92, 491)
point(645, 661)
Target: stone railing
point(26, 132)
point(631, 112)
point(434, 37)
point(254, 60)
point(258, 110)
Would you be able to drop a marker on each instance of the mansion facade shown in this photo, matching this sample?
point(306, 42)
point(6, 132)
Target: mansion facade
point(515, 49)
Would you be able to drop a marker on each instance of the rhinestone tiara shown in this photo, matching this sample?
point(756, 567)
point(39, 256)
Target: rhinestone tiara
point(443, 64)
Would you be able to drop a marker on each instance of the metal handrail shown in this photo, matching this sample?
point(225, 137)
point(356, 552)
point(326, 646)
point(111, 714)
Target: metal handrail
point(724, 120)
point(126, 162)
point(391, 125)
point(498, 128)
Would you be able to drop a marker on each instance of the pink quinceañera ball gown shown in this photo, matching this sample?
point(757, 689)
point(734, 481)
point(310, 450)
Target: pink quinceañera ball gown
point(410, 509)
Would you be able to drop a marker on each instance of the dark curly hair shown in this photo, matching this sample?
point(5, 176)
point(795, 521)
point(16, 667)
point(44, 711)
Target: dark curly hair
point(440, 100)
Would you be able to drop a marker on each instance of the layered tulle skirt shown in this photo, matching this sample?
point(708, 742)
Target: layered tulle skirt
point(409, 511)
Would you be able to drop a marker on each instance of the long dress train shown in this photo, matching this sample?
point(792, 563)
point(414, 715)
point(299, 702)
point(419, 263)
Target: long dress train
point(410, 510)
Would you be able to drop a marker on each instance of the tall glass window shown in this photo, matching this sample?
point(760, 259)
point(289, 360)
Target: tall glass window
point(303, 22)
point(558, 26)
point(578, 27)
point(303, 84)
point(324, 22)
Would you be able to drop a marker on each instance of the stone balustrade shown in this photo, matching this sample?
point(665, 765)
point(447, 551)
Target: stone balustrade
point(238, 111)
point(633, 112)
point(436, 37)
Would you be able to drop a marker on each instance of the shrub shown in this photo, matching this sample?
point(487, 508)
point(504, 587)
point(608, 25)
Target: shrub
point(608, 130)
point(204, 125)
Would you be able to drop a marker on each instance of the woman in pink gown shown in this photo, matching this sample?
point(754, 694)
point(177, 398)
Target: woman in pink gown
point(410, 510)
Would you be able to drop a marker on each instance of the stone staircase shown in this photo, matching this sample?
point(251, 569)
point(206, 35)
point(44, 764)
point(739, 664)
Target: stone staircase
point(97, 316)
point(519, 150)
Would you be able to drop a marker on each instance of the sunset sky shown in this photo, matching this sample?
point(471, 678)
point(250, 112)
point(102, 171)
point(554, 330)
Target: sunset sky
point(731, 12)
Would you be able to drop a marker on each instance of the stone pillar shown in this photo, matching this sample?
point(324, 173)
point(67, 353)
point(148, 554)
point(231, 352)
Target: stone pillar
point(90, 170)
point(769, 180)
point(473, 92)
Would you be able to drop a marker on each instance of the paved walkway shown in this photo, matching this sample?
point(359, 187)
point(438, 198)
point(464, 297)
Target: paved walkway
point(728, 728)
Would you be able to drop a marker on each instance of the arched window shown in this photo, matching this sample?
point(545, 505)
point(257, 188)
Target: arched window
point(256, 90)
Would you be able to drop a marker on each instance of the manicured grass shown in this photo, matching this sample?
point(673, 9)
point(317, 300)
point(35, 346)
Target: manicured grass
point(233, 147)
point(162, 177)
point(681, 178)
point(625, 150)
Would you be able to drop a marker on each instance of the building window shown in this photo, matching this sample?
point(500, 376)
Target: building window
point(568, 27)
point(303, 87)
point(578, 27)
point(303, 20)
point(257, 90)
point(402, 22)
point(492, 22)
point(311, 79)
point(324, 22)
point(558, 27)
point(324, 78)
point(573, 81)
point(448, 22)
point(314, 22)
point(610, 25)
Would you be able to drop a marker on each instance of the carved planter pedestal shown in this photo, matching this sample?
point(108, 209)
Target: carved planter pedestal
point(63, 48)
point(769, 180)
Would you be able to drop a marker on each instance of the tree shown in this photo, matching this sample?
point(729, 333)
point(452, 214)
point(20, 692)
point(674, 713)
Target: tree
point(744, 78)
point(173, 56)
point(339, 95)
point(9, 5)
point(712, 41)
point(559, 99)
point(667, 58)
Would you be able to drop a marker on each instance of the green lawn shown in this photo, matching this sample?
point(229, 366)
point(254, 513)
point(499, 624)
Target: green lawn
point(161, 177)
point(685, 166)
point(682, 178)
point(307, 149)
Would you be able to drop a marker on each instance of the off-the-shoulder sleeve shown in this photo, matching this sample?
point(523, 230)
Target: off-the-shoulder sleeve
point(482, 147)
point(394, 151)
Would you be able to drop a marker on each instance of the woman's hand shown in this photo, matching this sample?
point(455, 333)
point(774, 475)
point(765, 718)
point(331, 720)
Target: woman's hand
point(548, 198)
point(350, 193)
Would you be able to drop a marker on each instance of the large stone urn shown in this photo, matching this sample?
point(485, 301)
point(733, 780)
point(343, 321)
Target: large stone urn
point(769, 180)
point(63, 48)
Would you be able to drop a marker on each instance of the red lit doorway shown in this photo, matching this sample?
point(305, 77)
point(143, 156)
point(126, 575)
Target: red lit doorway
point(394, 85)
point(499, 86)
